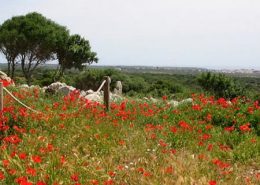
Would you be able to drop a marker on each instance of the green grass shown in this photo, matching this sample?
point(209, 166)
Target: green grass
point(137, 142)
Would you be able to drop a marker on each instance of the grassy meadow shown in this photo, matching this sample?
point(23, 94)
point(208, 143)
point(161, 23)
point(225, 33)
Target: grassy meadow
point(74, 141)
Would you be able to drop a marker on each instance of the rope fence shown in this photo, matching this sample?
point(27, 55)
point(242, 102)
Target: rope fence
point(105, 85)
point(101, 86)
point(31, 109)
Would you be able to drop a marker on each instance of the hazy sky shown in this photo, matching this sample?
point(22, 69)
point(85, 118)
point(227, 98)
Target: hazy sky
point(200, 33)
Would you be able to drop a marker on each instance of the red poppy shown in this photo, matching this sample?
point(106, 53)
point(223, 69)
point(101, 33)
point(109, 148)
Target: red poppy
point(36, 159)
point(212, 182)
point(2, 176)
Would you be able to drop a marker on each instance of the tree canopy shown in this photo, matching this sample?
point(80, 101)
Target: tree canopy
point(32, 39)
point(74, 53)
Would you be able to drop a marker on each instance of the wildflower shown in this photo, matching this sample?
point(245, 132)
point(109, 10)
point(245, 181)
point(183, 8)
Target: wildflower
point(208, 127)
point(109, 182)
point(121, 142)
point(245, 127)
point(6, 82)
point(229, 129)
point(62, 159)
point(206, 136)
point(111, 174)
point(164, 98)
point(222, 102)
point(173, 151)
point(74, 177)
point(5, 163)
point(196, 107)
point(13, 139)
point(212, 182)
point(250, 110)
point(12, 171)
point(31, 171)
point(41, 183)
point(173, 129)
point(22, 181)
point(210, 147)
point(2, 176)
point(147, 174)
point(141, 170)
point(94, 182)
point(36, 159)
point(168, 170)
point(162, 143)
point(50, 147)
point(184, 125)
point(209, 117)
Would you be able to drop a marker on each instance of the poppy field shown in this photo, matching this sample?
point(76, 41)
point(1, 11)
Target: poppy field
point(73, 141)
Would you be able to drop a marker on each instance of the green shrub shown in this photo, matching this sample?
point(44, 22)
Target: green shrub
point(220, 85)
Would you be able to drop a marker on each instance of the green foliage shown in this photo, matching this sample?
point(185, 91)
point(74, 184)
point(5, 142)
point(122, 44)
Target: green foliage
point(33, 38)
point(220, 85)
point(133, 84)
point(74, 51)
point(89, 79)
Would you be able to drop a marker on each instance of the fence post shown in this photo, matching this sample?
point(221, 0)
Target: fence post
point(1, 97)
point(107, 92)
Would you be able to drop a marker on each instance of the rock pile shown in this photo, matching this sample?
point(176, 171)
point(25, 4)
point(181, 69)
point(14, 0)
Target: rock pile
point(62, 88)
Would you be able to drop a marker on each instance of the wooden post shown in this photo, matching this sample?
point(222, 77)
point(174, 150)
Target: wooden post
point(107, 92)
point(1, 97)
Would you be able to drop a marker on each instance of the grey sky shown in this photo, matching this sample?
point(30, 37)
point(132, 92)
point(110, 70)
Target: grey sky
point(201, 33)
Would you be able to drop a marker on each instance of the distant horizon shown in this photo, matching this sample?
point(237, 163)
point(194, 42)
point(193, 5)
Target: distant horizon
point(173, 66)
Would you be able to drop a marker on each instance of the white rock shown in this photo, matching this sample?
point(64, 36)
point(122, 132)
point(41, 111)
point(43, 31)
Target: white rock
point(94, 97)
point(153, 100)
point(115, 97)
point(90, 91)
point(174, 103)
point(56, 85)
point(229, 102)
point(119, 87)
point(189, 100)
point(35, 86)
point(82, 94)
point(24, 86)
point(65, 90)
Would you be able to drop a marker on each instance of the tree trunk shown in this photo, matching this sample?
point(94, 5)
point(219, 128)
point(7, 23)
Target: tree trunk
point(12, 69)
point(8, 68)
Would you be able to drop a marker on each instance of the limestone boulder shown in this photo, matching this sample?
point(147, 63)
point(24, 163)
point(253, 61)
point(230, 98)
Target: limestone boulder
point(56, 86)
point(173, 103)
point(188, 100)
point(118, 88)
point(94, 97)
point(65, 90)
point(90, 91)
point(116, 97)
point(82, 94)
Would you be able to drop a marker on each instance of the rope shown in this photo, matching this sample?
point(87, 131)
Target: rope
point(31, 109)
point(20, 101)
point(101, 86)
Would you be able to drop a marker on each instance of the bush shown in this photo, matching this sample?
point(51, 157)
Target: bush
point(221, 85)
point(92, 78)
